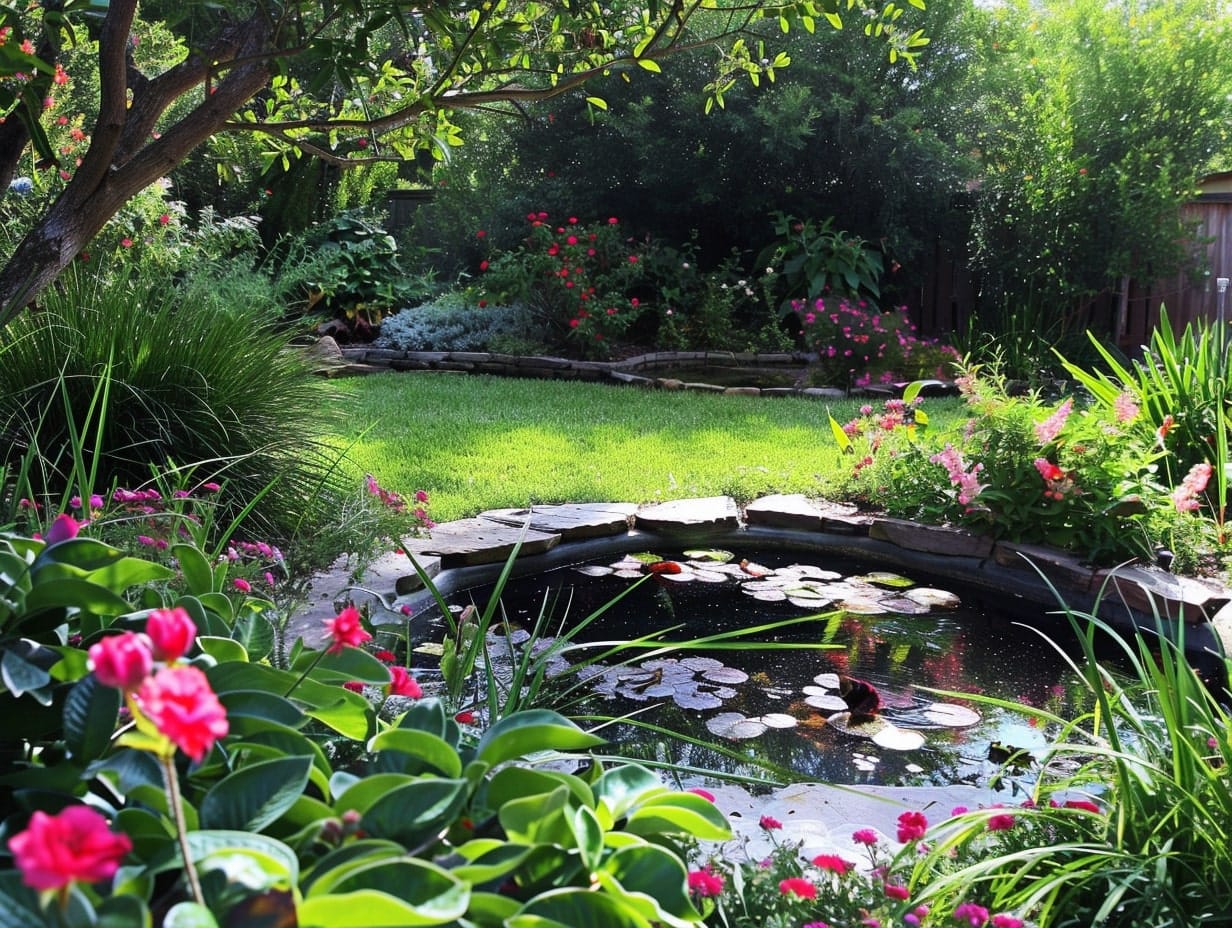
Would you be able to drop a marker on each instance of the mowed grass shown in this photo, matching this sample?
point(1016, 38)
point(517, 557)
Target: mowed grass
point(479, 442)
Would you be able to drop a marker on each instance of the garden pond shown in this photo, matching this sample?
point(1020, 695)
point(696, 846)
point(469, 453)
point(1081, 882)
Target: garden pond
point(784, 701)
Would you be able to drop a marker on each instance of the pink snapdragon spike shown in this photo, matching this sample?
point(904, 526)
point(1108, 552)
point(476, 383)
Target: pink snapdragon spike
point(74, 845)
point(1050, 428)
point(1185, 496)
point(345, 631)
point(63, 528)
point(122, 661)
point(182, 706)
point(171, 633)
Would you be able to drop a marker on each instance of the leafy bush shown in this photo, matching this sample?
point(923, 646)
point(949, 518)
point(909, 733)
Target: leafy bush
point(452, 323)
point(116, 380)
point(809, 260)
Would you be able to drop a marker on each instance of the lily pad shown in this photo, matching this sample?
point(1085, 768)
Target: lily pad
point(755, 570)
point(627, 574)
point(700, 664)
point(778, 720)
point(826, 702)
point(885, 578)
point(828, 680)
point(937, 599)
point(865, 726)
point(709, 576)
point(812, 604)
point(645, 557)
point(770, 583)
point(768, 596)
point(728, 675)
point(742, 731)
point(893, 738)
point(698, 700)
point(904, 606)
point(808, 571)
point(723, 721)
point(951, 715)
point(863, 607)
point(709, 554)
point(680, 577)
point(593, 570)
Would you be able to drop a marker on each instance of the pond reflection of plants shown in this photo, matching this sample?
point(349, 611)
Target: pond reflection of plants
point(699, 659)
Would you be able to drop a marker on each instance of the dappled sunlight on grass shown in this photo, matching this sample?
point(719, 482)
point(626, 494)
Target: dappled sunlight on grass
point(478, 443)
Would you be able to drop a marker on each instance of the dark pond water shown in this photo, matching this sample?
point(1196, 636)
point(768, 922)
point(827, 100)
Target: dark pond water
point(903, 647)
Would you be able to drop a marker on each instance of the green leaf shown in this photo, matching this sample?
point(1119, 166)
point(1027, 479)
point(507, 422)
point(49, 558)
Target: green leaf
point(489, 859)
point(123, 911)
point(86, 554)
point(347, 665)
point(527, 732)
point(573, 907)
point(222, 649)
point(254, 631)
point(537, 819)
point(362, 909)
point(21, 677)
point(840, 436)
point(597, 102)
point(649, 64)
point(516, 781)
point(264, 706)
point(412, 812)
point(19, 904)
point(129, 572)
point(255, 796)
point(413, 891)
point(679, 813)
point(75, 593)
point(658, 879)
point(189, 915)
point(90, 714)
point(588, 836)
point(198, 575)
point(621, 788)
point(431, 749)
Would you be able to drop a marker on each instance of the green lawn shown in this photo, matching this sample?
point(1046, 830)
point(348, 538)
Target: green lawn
point(478, 442)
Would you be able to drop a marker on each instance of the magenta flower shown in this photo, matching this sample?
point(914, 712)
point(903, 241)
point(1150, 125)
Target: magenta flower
point(704, 793)
point(171, 633)
point(122, 661)
point(833, 864)
point(181, 704)
point(1002, 822)
point(345, 631)
point(63, 528)
point(73, 845)
point(798, 886)
point(864, 836)
point(911, 826)
point(242, 585)
point(1005, 920)
point(971, 914)
point(894, 891)
point(770, 823)
point(705, 882)
point(401, 683)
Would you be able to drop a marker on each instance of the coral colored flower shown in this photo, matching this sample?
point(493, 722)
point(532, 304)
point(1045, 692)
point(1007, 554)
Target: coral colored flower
point(483, 265)
point(971, 914)
point(345, 631)
point(798, 886)
point(180, 703)
point(480, 234)
point(894, 891)
point(1165, 427)
point(864, 836)
point(242, 585)
point(704, 793)
point(1048, 470)
point(75, 844)
point(705, 882)
point(911, 826)
point(171, 633)
point(770, 823)
point(401, 683)
point(833, 863)
point(122, 661)
point(62, 529)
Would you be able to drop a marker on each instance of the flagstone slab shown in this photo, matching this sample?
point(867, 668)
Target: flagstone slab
point(797, 511)
point(931, 539)
point(717, 513)
point(1154, 591)
point(467, 542)
point(571, 521)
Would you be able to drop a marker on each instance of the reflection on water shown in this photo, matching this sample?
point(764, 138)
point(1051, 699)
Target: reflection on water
point(970, 649)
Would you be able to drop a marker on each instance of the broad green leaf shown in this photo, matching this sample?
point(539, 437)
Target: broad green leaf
point(534, 730)
point(489, 859)
point(254, 631)
point(189, 915)
point(347, 665)
point(198, 575)
point(623, 787)
point(576, 907)
point(412, 812)
point(681, 814)
point(341, 860)
point(649, 64)
point(255, 796)
point(363, 909)
point(840, 437)
point(21, 677)
point(597, 102)
point(75, 593)
point(86, 554)
point(129, 572)
point(588, 836)
point(658, 878)
point(19, 904)
point(123, 911)
point(435, 896)
point(262, 705)
point(429, 748)
point(90, 714)
point(222, 649)
point(515, 781)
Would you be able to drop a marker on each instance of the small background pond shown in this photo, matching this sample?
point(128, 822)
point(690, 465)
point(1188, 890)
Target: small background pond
point(974, 648)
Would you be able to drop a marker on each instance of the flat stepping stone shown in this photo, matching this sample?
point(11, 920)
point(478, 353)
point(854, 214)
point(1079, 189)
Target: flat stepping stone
point(479, 541)
point(571, 521)
point(684, 515)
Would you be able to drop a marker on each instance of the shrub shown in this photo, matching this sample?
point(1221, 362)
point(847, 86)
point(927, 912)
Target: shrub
point(119, 371)
point(810, 260)
point(452, 323)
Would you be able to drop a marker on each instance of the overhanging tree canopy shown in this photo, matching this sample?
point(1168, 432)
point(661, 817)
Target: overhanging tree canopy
point(348, 81)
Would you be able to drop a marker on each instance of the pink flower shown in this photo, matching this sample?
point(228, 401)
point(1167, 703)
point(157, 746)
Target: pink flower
point(171, 633)
point(242, 585)
point(122, 661)
point(705, 882)
point(770, 823)
point(1084, 804)
point(865, 836)
point(1184, 497)
point(126, 242)
point(894, 891)
point(798, 886)
point(386, 657)
point(353, 686)
point(911, 826)
point(1050, 428)
point(180, 703)
point(704, 793)
point(815, 925)
point(1124, 409)
point(1001, 822)
point(164, 219)
point(345, 631)
point(1005, 920)
point(401, 683)
point(971, 914)
point(62, 529)
point(465, 718)
point(74, 844)
point(833, 863)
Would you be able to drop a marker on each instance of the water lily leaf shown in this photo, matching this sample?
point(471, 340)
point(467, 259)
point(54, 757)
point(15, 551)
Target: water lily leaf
point(828, 680)
point(826, 702)
point(805, 591)
point(684, 576)
point(755, 570)
point(951, 715)
point(723, 721)
point(709, 576)
point(710, 554)
point(893, 738)
point(728, 675)
point(885, 578)
point(938, 599)
point(778, 720)
point(812, 604)
point(767, 596)
point(660, 691)
point(593, 570)
point(863, 607)
point(904, 606)
point(808, 570)
point(864, 726)
point(627, 574)
point(864, 764)
point(749, 728)
point(701, 664)
point(770, 583)
point(697, 700)
point(645, 557)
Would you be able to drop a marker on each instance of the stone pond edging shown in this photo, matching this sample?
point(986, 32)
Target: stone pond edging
point(1014, 578)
